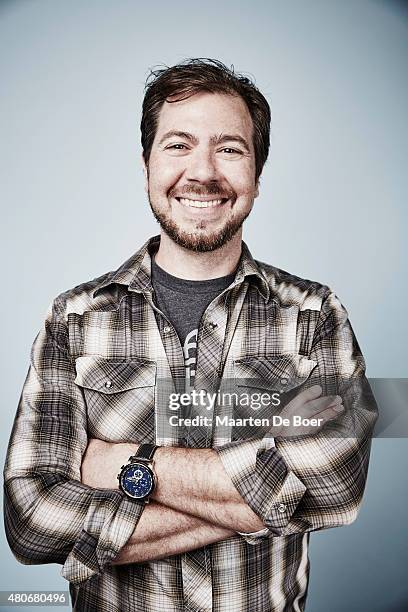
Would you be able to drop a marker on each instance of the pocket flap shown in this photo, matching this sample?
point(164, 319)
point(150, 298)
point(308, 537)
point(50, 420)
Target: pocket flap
point(112, 376)
point(278, 372)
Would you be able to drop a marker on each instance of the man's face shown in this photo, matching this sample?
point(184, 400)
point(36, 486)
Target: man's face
point(201, 173)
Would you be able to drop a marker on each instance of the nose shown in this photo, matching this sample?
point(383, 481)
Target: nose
point(202, 166)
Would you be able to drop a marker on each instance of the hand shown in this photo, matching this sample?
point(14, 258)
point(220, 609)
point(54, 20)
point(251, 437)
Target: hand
point(311, 410)
point(102, 460)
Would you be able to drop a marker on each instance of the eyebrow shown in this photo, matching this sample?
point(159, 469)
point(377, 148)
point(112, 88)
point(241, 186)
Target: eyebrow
point(223, 138)
point(178, 134)
point(220, 139)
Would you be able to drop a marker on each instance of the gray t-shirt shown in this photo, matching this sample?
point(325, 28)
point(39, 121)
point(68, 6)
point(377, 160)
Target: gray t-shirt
point(184, 302)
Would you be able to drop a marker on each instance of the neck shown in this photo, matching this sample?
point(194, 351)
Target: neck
point(183, 263)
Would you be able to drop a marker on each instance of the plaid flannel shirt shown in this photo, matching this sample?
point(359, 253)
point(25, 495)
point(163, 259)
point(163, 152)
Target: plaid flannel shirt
point(269, 325)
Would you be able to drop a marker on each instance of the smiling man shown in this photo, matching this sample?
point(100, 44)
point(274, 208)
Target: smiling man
point(230, 510)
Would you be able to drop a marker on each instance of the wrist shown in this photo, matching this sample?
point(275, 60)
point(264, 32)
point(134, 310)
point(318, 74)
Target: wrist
point(137, 478)
point(102, 460)
point(163, 460)
point(121, 454)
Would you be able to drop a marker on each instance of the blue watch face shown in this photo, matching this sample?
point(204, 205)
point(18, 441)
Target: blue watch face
point(137, 480)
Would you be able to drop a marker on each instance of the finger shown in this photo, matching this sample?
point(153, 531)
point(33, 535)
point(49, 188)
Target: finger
point(323, 417)
point(304, 396)
point(320, 419)
point(330, 413)
point(322, 403)
point(312, 407)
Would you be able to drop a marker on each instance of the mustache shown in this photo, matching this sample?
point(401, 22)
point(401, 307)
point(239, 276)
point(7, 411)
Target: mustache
point(213, 190)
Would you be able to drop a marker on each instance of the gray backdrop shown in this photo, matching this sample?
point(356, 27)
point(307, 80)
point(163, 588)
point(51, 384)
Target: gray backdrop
point(331, 206)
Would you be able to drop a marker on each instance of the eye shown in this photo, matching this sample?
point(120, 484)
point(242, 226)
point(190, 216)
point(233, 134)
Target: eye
point(177, 147)
point(231, 152)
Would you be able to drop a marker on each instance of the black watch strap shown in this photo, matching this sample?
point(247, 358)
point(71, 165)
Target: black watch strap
point(145, 451)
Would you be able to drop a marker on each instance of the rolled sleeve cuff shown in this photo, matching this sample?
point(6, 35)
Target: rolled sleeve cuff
point(255, 536)
point(110, 522)
point(264, 481)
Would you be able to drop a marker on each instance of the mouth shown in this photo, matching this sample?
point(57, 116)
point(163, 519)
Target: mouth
point(202, 202)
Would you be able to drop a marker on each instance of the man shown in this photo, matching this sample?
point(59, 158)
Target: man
point(230, 509)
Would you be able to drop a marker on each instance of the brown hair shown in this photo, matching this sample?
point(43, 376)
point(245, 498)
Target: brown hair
point(195, 75)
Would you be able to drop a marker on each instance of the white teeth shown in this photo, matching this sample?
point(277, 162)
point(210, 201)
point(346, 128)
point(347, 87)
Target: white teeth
point(199, 203)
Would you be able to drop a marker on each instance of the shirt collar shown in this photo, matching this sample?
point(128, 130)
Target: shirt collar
point(135, 273)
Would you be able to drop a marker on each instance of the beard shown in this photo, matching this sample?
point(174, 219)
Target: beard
point(199, 241)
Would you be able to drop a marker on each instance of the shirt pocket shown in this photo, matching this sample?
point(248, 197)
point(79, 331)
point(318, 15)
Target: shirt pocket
point(264, 385)
point(280, 373)
point(119, 396)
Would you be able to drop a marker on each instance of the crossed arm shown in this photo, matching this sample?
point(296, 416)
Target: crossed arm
point(194, 503)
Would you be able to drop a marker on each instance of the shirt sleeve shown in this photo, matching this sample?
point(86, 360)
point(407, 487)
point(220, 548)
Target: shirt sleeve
point(316, 481)
point(50, 517)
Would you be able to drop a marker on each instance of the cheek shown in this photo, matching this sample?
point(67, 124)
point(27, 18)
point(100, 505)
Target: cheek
point(164, 176)
point(245, 189)
point(241, 177)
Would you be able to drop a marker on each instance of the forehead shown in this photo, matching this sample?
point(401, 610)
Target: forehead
point(206, 114)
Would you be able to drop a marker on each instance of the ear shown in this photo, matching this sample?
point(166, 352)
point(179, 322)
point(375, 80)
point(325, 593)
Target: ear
point(146, 173)
point(256, 194)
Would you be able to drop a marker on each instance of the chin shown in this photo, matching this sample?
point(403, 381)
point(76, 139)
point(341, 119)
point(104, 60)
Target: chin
point(199, 240)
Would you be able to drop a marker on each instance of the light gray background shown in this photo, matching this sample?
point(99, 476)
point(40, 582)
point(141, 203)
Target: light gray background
point(331, 206)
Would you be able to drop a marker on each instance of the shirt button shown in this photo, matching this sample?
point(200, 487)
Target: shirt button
point(108, 384)
point(166, 329)
point(284, 380)
point(281, 508)
point(212, 325)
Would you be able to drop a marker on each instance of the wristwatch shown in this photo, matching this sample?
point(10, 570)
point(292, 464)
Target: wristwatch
point(137, 478)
